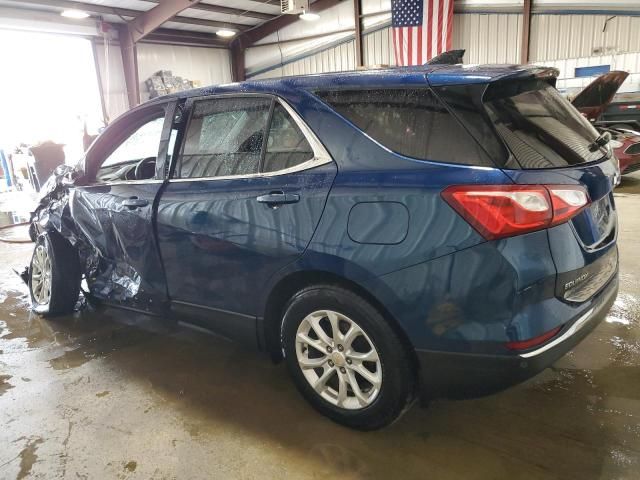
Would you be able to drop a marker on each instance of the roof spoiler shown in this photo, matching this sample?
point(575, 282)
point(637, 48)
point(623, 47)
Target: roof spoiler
point(545, 74)
point(450, 57)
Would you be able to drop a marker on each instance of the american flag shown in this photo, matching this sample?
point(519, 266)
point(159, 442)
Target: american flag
point(421, 29)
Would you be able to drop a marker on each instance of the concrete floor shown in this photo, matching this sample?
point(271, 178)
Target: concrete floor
point(108, 394)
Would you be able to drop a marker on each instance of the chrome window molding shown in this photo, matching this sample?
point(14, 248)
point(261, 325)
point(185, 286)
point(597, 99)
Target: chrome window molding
point(124, 182)
point(320, 154)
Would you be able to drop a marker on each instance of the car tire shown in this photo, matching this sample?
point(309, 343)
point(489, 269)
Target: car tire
point(54, 275)
point(383, 394)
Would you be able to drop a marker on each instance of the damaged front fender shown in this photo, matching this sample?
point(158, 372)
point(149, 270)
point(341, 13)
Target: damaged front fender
point(108, 277)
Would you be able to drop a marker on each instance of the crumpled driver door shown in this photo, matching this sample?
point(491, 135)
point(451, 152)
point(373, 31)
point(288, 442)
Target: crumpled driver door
point(117, 216)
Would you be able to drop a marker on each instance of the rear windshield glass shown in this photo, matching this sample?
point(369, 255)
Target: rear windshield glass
point(412, 122)
point(539, 126)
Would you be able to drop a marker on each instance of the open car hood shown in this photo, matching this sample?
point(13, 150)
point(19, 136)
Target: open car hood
point(597, 96)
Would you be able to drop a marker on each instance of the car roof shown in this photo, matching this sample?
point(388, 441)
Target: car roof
point(376, 78)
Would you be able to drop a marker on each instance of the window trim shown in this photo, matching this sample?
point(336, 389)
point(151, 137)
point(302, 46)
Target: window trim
point(165, 104)
point(320, 154)
point(316, 93)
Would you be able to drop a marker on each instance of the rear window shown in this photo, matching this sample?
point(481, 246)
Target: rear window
point(540, 127)
point(411, 122)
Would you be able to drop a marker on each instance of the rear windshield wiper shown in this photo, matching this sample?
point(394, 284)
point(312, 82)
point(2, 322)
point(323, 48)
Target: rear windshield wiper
point(603, 139)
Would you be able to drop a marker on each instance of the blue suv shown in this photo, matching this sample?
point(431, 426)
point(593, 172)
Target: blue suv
point(434, 231)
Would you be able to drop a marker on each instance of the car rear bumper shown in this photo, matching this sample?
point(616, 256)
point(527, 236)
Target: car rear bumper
point(465, 375)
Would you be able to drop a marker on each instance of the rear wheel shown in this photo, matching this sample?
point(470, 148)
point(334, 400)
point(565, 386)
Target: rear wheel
point(345, 358)
point(54, 275)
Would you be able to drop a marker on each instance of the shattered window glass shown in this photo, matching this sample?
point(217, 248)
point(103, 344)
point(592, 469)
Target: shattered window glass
point(224, 137)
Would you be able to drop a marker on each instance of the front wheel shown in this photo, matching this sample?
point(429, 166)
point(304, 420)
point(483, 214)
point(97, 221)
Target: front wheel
point(54, 275)
point(345, 358)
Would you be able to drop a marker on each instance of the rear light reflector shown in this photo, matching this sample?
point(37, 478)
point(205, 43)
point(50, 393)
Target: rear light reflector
point(567, 202)
point(535, 341)
point(498, 211)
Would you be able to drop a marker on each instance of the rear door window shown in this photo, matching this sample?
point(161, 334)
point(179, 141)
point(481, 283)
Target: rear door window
point(540, 127)
point(225, 137)
point(411, 122)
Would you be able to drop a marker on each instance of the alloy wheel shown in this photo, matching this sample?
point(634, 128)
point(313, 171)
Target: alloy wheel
point(338, 359)
point(41, 275)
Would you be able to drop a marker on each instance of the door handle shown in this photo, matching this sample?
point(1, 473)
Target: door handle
point(134, 202)
point(278, 198)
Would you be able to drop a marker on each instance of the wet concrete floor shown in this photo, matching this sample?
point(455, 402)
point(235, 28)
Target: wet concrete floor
point(110, 394)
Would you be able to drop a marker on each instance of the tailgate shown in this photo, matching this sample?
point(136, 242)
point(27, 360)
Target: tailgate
point(538, 138)
point(583, 249)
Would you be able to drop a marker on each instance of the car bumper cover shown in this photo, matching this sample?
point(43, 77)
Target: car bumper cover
point(467, 375)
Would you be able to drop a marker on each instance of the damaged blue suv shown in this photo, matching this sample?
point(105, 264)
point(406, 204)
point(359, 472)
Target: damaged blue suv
point(422, 232)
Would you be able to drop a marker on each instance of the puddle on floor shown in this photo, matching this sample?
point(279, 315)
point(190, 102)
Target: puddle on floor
point(28, 457)
point(4, 383)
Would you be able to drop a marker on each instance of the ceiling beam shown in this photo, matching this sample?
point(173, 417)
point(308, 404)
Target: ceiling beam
point(184, 37)
point(127, 13)
point(169, 36)
point(145, 23)
point(207, 7)
point(207, 23)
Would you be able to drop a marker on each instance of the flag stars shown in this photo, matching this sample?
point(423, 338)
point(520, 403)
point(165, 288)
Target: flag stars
point(407, 13)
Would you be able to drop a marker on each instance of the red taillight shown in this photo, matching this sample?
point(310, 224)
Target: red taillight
point(499, 211)
point(535, 341)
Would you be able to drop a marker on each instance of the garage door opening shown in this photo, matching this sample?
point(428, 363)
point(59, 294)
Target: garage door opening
point(48, 90)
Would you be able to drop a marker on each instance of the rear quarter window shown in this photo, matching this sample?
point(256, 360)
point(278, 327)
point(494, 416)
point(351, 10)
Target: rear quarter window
point(411, 122)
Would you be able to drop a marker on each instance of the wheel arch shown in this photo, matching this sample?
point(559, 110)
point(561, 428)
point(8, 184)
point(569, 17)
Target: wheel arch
point(296, 281)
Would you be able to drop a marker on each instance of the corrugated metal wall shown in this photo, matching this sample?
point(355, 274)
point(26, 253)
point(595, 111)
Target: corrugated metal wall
point(488, 38)
point(326, 52)
point(207, 66)
point(561, 41)
point(572, 36)
point(377, 48)
point(492, 38)
point(335, 59)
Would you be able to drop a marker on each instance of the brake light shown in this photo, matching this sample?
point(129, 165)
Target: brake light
point(498, 211)
point(535, 341)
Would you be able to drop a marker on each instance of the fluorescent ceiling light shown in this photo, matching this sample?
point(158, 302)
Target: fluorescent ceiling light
point(72, 13)
point(225, 33)
point(309, 17)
